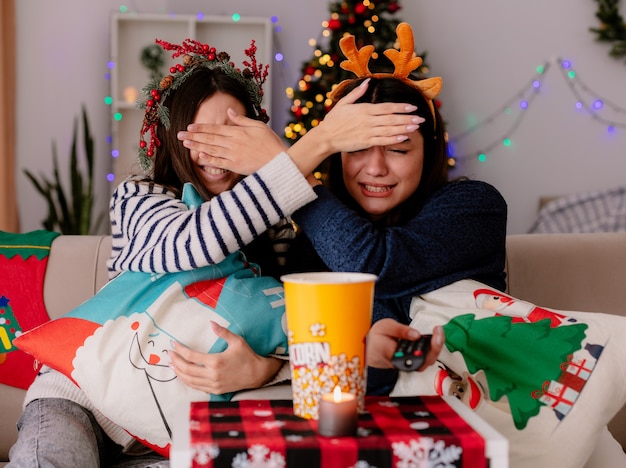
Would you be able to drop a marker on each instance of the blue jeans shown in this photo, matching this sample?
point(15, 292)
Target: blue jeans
point(54, 432)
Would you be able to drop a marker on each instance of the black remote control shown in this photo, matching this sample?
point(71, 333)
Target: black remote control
point(410, 355)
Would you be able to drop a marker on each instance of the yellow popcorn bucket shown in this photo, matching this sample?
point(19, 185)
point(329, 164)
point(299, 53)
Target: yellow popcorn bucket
point(328, 317)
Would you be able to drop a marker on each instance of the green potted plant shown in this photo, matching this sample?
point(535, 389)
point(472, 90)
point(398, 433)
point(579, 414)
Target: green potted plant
point(70, 211)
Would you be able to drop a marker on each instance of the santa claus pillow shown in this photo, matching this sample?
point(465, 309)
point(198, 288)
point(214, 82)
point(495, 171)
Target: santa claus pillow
point(548, 380)
point(115, 345)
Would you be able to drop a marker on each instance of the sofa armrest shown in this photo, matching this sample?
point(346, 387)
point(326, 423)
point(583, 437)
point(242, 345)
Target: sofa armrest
point(568, 271)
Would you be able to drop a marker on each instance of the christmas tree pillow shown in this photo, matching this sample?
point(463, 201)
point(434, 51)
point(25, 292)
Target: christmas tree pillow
point(115, 345)
point(548, 380)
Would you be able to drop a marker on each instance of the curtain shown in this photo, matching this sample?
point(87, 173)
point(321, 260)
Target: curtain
point(9, 220)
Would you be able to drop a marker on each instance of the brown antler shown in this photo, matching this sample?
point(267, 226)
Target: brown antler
point(429, 87)
point(403, 60)
point(358, 60)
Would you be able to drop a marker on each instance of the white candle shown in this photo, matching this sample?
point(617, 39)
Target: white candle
point(337, 414)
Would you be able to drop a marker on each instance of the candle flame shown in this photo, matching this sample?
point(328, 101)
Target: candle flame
point(337, 394)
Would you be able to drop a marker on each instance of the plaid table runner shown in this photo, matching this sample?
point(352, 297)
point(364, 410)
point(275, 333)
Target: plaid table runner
point(415, 432)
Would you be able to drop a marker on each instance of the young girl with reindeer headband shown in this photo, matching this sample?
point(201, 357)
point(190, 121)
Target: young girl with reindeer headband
point(154, 231)
point(389, 208)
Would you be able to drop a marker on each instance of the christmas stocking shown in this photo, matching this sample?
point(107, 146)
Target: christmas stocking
point(23, 260)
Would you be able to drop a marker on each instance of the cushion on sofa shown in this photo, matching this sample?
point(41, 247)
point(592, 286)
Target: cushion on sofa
point(115, 345)
point(548, 380)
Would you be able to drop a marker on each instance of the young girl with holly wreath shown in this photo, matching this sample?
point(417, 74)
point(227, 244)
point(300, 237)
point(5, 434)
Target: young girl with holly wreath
point(154, 231)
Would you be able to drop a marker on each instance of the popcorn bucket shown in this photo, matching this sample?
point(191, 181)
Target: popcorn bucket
point(328, 317)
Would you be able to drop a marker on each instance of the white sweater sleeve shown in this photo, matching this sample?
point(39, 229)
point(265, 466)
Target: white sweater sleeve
point(154, 231)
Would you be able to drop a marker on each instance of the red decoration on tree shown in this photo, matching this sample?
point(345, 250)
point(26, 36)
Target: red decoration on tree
point(334, 24)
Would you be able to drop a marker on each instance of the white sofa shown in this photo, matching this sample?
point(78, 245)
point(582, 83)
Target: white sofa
point(563, 271)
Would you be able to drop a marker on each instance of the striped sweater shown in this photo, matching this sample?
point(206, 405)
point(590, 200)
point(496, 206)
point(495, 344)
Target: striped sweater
point(154, 231)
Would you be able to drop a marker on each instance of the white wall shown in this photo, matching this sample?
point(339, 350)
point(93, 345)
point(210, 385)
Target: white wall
point(486, 51)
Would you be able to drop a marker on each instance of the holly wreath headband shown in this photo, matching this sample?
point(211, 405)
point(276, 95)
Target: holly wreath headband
point(195, 54)
point(404, 62)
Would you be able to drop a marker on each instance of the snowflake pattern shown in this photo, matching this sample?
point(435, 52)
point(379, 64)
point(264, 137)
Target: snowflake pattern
point(388, 404)
point(203, 454)
point(425, 453)
point(362, 464)
point(273, 424)
point(419, 425)
point(259, 456)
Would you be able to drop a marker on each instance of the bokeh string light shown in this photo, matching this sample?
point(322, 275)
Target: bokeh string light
point(586, 99)
point(514, 109)
point(590, 101)
point(522, 99)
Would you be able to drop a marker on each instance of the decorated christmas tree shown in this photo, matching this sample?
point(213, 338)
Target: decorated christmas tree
point(370, 22)
point(9, 328)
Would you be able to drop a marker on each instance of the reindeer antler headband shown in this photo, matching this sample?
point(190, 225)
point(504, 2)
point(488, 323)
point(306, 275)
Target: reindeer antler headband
point(403, 60)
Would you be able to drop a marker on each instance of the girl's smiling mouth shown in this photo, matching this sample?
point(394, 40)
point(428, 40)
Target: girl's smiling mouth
point(376, 190)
